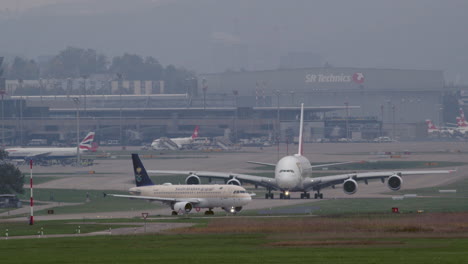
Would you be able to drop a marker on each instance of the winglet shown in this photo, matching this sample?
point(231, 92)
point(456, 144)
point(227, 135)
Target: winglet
point(301, 127)
point(141, 177)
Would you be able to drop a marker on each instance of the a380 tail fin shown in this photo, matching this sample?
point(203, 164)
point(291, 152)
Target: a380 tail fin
point(141, 177)
point(87, 143)
point(195, 133)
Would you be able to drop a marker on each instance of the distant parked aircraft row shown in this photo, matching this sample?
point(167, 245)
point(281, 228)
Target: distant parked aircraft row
point(459, 129)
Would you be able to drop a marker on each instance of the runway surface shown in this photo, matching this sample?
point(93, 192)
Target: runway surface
point(119, 173)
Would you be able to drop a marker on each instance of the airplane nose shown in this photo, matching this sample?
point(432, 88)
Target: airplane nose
point(286, 180)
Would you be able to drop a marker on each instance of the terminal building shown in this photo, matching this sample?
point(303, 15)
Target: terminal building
point(352, 103)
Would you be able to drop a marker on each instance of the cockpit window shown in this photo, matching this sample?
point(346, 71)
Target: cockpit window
point(292, 171)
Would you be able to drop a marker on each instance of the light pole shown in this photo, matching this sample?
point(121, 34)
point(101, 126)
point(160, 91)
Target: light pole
point(236, 94)
point(277, 121)
point(205, 87)
point(3, 120)
point(393, 121)
point(76, 100)
point(347, 120)
point(382, 119)
point(84, 92)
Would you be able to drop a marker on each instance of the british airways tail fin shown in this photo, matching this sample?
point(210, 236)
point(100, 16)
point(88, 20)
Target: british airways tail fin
point(141, 177)
point(87, 143)
point(301, 127)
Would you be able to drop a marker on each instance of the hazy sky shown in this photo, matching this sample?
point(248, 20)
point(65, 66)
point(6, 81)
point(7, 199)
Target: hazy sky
point(212, 35)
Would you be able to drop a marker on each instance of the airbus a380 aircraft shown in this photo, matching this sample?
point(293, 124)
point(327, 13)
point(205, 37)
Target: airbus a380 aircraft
point(180, 142)
point(294, 174)
point(183, 198)
point(51, 153)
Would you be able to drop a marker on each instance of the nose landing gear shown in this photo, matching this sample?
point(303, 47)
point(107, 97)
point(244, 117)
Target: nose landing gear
point(285, 195)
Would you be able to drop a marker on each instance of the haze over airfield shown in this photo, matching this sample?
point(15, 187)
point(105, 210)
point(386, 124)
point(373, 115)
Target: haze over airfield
point(215, 35)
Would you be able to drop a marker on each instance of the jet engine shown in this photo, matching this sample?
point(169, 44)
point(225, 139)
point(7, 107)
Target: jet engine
point(350, 186)
point(182, 207)
point(394, 182)
point(233, 210)
point(234, 182)
point(192, 179)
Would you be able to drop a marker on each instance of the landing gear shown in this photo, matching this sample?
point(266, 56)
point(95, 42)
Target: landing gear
point(285, 195)
point(209, 212)
point(305, 195)
point(174, 213)
point(269, 194)
point(318, 195)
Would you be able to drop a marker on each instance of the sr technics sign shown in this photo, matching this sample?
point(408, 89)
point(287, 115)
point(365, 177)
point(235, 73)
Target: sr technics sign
point(357, 77)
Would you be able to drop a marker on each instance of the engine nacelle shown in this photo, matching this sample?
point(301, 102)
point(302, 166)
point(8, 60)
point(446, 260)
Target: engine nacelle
point(182, 207)
point(350, 186)
point(192, 179)
point(234, 182)
point(394, 182)
point(233, 210)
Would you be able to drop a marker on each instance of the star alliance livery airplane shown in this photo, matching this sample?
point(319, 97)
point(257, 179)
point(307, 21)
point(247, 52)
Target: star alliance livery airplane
point(294, 174)
point(183, 198)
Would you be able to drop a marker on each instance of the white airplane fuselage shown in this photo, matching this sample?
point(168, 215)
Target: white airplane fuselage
point(290, 172)
point(53, 153)
point(209, 196)
point(180, 142)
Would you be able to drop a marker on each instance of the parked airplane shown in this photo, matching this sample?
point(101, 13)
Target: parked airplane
point(183, 198)
point(180, 142)
point(444, 131)
point(294, 174)
point(52, 153)
point(462, 125)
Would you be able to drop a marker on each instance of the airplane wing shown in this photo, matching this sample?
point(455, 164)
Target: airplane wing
point(151, 198)
point(334, 164)
point(262, 163)
point(257, 180)
point(313, 166)
point(326, 181)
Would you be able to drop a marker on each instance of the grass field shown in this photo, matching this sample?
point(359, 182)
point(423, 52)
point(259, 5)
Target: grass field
point(52, 228)
point(252, 248)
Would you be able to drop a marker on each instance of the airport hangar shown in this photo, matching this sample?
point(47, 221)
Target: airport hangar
point(400, 99)
point(365, 102)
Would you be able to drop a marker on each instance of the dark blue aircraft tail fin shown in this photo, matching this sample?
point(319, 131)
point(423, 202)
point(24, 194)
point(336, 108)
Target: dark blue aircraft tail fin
point(141, 177)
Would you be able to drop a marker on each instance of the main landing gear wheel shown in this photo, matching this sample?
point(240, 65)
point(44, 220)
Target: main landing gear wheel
point(318, 196)
point(209, 212)
point(174, 213)
point(305, 195)
point(269, 195)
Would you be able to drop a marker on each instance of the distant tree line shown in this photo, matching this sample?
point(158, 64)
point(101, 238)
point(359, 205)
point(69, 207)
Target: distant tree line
point(81, 63)
point(11, 178)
